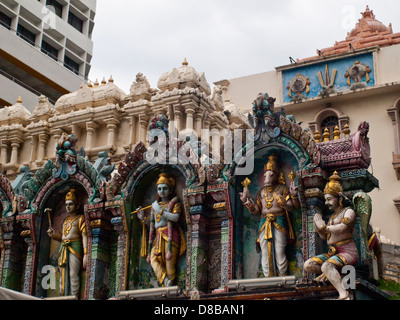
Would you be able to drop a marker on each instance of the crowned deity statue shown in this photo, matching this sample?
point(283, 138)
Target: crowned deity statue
point(338, 234)
point(273, 204)
point(166, 241)
point(73, 248)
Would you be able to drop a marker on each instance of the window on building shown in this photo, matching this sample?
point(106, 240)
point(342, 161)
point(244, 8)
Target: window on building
point(25, 34)
point(58, 8)
point(49, 50)
point(74, 21)
point(5, 20)
point(330, 123)
point(71, 65)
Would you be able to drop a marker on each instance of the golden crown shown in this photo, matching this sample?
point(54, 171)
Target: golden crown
point(333, 186)
point(272, 164)
point(71, 195)
point(165, 178)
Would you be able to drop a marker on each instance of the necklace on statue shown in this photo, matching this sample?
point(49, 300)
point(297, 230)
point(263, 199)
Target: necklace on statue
point(159, 213)
point(68, 224)
point(269, 200)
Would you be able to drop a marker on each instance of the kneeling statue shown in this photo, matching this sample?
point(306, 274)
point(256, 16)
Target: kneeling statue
point(338, 234)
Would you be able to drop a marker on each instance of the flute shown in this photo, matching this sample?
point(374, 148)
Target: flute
point(145, 208)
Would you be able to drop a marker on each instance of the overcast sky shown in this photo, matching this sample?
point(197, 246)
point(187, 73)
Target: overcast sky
point(224, 39)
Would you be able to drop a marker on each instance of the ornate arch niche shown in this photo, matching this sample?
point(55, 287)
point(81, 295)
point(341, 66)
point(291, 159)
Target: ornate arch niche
point(48, 249)
point(7, 241)
point(247, 259)
point(279, 134)
point(328, 111)
point(141, 191)
point(43, 191)
point(133, 182)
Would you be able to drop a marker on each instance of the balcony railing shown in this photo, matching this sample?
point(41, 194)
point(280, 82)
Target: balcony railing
point(40, 49)
point(24, 85)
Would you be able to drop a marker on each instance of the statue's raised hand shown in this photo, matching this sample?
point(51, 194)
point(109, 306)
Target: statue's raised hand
point(245, 195)
point(293, 189)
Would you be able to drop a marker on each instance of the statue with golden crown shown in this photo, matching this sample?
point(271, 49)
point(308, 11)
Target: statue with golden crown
point(338, 234)
point(73, 248)
point(274, 203)
point(166, 241)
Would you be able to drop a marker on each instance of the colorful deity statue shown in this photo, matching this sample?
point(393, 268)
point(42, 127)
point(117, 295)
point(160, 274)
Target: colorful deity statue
point(274, 202)
point(338, 234)
point(66, 156)
point(166, 241)
point(74, 244)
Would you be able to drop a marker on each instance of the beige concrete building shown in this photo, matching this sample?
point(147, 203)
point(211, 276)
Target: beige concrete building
point(323, 92)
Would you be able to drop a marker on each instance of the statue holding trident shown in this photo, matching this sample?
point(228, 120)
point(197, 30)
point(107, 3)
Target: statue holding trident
point(74, 244)
point(166, 241)
point(274, 202)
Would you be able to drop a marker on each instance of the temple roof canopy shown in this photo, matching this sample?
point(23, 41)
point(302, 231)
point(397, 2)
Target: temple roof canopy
point(90, 94)
point(184, 76)
point(368, 32)
point(368, 24)
point(17, 113)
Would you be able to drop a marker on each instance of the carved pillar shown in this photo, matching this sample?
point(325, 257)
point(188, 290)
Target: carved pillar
point(315, 204)
point(32, 140)
point(198, 121)
point(43, 140)
point(75, 130)
point(13, 254)
point(4, 152)
point(1, 256)
point(90, 131)
point(121, 260)
point(207, 123)
point(14, 151)
point(133, 124)
point(28, 270)
point(189, 118)
point(56, 135)
point(178, 119)
point(221, 207)
point(198, 241)
point(99, 232)
point(30, 247)
point(111, 127)
point(313, 183)
point(144, 121)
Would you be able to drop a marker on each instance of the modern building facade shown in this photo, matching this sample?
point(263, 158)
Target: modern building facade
point(45, 48)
